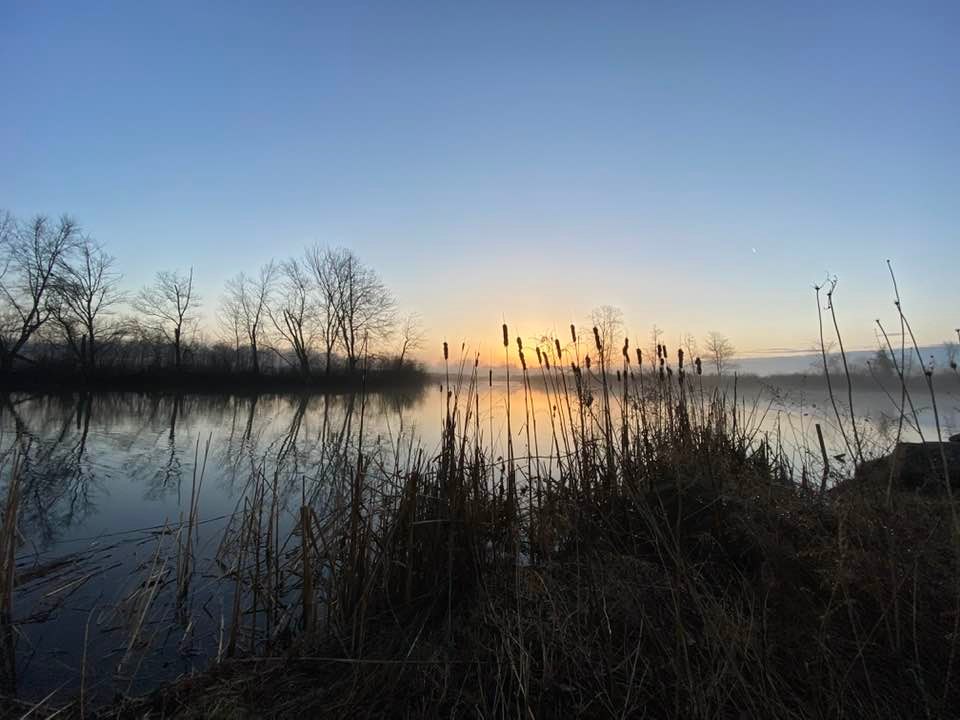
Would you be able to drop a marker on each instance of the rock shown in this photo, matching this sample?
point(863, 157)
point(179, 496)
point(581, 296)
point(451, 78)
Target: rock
point(915, 466)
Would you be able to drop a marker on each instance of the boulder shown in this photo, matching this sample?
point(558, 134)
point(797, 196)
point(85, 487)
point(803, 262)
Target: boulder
point(916, 466)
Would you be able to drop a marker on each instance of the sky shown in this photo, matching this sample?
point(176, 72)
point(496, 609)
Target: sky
point(699, 165)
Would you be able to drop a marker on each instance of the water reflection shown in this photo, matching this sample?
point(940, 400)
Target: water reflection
point(108, 478)
point(103, 460)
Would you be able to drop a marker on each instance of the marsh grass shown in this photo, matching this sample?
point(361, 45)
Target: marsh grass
point(659, 557)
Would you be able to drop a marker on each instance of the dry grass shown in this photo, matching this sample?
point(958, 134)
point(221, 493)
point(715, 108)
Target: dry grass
point(663, 565)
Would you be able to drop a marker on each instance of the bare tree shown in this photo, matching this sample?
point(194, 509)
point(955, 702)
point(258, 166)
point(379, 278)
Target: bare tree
point(326, 266)
point(952, 351)
point(720, 351)
point(609, 323)
point(231, 327)
point(86, 288)
point(30, 257)
point(367, 308)
point(656, 336)
point(412, 336)
point(294, 314)
point(169, 304)
point(250, 296)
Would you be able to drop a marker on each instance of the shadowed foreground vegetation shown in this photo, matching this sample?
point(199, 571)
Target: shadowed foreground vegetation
point(664, 562)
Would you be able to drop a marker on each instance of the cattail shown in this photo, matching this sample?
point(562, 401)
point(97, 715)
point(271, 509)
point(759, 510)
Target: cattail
point(506, 336)
point(596, 338)
point(523, 360)
point(659, 350)
point(618, 376)
point(640, 358)
point(626, 349)
point(588, 362)
point(490, 378)
point(559, 352)
point(539, 356)
point(680, 358)
point(546, 361)
point(519, 344)
point(573, 333)
point(446, 352)
point(699, 366)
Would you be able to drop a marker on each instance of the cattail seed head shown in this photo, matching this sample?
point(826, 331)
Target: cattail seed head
point(490, 378)
point(546, 361)
point(539, 356)
point(519, 344)
point(559, 351)
point(573, 332)
point(639, 357)
point(588, 362)
point(626, 349)
point(659, 350)
point(699, 366)
point(506, 336)
point(680, 358)
point(596, 338)
point(523, 360)
point(446, 352)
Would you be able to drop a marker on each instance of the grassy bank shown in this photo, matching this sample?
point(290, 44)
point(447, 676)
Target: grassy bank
point(658, 559)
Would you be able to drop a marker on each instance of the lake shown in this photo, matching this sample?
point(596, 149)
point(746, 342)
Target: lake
point(108, 480)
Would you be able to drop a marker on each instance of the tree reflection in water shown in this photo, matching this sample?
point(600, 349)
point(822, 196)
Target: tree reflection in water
point(102, 474)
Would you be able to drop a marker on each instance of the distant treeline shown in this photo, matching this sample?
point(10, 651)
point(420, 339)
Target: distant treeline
point(318, 318)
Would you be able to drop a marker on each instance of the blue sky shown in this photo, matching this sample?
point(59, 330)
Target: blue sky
point(698, 164)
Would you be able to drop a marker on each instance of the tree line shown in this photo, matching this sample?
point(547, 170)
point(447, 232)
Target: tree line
point(62, 304)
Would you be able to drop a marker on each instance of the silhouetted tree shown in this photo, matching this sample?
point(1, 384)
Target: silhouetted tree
point(30, 257)
point(295, 313)
point(720, 351)
point(85, 290)
point(231, 327)
point(367, 308)
point(249, 297)
point(169, 305)
point(609, 322)
point(882, 362)
point(326, 267)
point(412, 336)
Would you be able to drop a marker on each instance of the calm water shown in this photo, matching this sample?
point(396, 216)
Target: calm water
point(103, 475)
